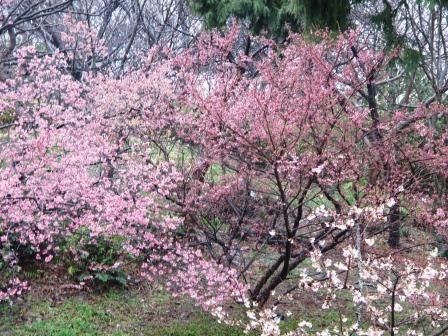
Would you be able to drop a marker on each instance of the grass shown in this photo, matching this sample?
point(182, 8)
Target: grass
point(123, 312)
point(115, 313)
point(199, 327)
point(143, 310)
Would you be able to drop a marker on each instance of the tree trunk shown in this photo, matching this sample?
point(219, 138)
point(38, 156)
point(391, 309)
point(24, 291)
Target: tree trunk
point(394, 226)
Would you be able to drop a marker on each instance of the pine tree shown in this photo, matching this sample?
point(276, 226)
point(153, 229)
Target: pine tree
point(276, 17)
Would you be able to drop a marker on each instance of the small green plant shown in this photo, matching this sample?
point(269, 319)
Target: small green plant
point(405, 232)
point(96, 259)
point(7, 116)
point(24, 254)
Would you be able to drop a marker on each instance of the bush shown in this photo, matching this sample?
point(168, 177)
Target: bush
point(96, 259)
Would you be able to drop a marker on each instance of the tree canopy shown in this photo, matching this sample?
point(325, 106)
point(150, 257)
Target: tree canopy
point(313, 166)
point(276, 17)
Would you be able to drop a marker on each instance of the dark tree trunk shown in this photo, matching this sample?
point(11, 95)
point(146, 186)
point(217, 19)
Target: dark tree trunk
point(394, 227)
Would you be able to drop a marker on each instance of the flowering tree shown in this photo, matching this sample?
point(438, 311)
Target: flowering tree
point(291, 165)
point(76, 161)
point(224, 174)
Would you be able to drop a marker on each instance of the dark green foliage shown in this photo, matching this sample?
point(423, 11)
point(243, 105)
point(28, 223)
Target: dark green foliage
point(327, 14)
point(83, 253)
point(276, 17)
point(385, 21)
point(410, 59)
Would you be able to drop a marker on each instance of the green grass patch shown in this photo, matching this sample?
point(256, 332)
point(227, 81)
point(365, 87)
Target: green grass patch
point(116, 313)
point(202, 326)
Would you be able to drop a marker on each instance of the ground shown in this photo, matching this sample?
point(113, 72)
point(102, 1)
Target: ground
point(116, 312)
point(136, 310)
point(54, 308)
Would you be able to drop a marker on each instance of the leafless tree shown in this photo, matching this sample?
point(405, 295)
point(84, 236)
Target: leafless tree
point(126, 27)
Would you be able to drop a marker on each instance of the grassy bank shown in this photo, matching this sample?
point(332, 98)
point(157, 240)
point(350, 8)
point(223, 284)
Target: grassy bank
point(114, 313)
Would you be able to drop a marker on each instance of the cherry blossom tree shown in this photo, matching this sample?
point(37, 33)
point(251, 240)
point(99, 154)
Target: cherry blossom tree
point(224, 174)
point(76, 159)
point(290, 165)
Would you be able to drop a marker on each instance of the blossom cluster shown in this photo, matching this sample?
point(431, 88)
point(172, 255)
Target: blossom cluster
point(221, 176)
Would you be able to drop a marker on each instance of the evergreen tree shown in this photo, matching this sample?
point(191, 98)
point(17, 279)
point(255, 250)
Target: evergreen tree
point(275, 17)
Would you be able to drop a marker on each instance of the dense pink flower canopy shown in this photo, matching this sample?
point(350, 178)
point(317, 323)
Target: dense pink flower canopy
point(196, 158)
